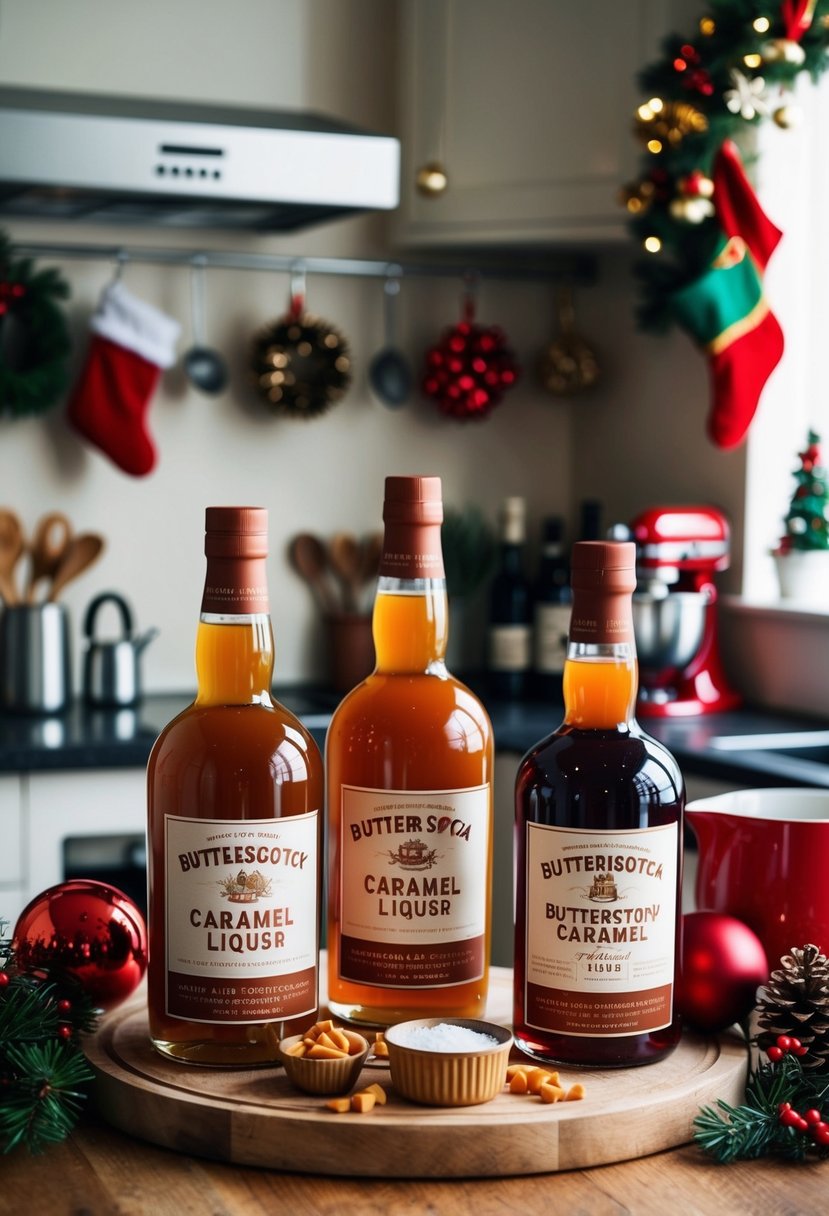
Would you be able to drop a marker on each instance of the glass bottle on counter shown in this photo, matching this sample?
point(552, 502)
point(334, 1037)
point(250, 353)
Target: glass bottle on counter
point(509, 634)
point(598, 849)
point(409, 764)
point(235, 789)
point(551, 611)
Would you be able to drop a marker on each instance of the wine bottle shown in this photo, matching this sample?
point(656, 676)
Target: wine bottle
point(551, 611)
point(598, 849)
point(509, 636)
point(235, 790)
point(409, 763)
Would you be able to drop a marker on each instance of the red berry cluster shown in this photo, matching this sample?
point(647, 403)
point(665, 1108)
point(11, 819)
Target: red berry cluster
point(785, 1044)
point(469, 370)
point(810, 1121)
point(695, 78)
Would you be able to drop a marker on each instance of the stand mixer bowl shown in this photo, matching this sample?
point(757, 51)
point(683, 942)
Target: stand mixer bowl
point(668, 628)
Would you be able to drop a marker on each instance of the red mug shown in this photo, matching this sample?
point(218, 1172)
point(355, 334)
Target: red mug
point(764, 858)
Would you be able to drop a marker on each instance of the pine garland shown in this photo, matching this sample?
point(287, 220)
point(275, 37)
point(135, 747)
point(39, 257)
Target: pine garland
point(707, 87)
point(34, 340)
point(43, 1070)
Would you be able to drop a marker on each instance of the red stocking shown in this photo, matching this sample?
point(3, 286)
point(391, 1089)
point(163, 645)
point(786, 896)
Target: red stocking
point(131, 342)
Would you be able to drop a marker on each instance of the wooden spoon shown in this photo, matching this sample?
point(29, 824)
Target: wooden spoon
point(307, 555)
point(47, 548)
point(11, 546)
point(80, 553)
point(344, 556)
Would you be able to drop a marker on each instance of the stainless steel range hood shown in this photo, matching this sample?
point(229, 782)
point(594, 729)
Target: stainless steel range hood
point(105, 159)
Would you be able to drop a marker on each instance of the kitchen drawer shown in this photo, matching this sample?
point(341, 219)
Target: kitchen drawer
point(62, 806)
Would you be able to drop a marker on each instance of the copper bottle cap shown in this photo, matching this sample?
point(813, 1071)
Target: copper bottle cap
point(236, 532)
point(413, 500)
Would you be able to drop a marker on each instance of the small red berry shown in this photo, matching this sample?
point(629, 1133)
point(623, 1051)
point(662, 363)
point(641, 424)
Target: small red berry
point(774, 1054)
point(820, 1133)
point(800, 1050)
point(64, 1006)
point(812, 1116)
point(4, 978)
point(801, 1124)
point(789, 1118)
point(64, 1032)
point(794, 1044)
point(783, 1106)
point(784, 1042)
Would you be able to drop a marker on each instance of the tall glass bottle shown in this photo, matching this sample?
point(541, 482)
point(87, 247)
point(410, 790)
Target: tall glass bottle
point(235, 792)
point(551, 611)
point(509, 635)
point(409, 777)
point(598, 849)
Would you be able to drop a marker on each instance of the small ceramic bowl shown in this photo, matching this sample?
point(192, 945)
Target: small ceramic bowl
point(324, 1076)
point(460, 1077)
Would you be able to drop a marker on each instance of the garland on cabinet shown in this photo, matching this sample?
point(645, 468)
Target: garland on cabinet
point(693, 211)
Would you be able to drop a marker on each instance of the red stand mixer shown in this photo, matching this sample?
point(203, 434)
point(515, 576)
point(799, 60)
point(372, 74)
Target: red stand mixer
point(679, 550)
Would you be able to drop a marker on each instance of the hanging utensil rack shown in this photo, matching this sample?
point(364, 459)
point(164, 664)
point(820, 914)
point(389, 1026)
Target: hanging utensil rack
point(565, 268)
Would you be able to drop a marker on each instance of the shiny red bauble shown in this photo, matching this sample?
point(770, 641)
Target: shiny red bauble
point(89, 930)
point(723, 964)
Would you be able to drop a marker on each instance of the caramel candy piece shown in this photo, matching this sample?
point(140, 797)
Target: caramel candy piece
point(575, 1092)
point(340, 1106)
point(363, 1102)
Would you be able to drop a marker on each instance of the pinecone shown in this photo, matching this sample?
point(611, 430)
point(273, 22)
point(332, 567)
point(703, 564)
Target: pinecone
point(795, 1002)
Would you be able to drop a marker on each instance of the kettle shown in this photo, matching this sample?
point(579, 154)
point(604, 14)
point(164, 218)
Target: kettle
point(111, 675)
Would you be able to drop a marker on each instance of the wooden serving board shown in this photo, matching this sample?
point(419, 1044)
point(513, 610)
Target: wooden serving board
point(255, 1117)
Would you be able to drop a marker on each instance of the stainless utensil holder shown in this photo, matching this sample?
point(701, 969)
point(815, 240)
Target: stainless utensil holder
point(35, 659)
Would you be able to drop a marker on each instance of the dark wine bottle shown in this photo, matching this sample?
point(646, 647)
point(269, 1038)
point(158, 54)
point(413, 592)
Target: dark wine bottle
point(509, 636)
point(551, 612)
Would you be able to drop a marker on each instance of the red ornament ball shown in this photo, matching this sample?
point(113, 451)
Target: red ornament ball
point(468, 371)
point(723, 964)
point(89, 930)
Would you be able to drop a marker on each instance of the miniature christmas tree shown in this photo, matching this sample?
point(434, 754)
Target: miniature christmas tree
point(807, 526)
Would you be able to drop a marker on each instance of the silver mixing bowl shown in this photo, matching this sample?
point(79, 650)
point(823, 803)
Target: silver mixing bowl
point(668, 628)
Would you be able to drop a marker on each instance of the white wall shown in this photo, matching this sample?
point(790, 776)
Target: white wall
point(324, 475)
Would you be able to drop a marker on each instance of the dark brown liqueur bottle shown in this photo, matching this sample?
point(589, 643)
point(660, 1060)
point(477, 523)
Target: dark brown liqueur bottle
point(235, 796)
point(598, 841)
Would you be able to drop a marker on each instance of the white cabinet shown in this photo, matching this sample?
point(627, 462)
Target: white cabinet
point(528, 106)
point(11, 852)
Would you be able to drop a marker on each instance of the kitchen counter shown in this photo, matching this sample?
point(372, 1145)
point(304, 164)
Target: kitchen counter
point(707, 746)
point(99, 1171)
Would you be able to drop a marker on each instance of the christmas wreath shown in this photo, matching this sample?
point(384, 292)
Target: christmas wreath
point(34, 341)
point(693, 211)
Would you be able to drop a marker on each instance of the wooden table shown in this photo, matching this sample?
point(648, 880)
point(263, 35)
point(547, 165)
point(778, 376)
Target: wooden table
point(101, 1172)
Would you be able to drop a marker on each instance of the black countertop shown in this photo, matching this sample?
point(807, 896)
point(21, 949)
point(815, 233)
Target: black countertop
point(84, 738)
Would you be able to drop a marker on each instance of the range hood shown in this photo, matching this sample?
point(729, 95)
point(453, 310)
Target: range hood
point(106, 159)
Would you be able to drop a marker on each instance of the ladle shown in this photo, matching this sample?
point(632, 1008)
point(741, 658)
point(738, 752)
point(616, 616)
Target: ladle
point(308, 558)
point(80, 553)
point(52, 535)
point(205, 368)
point(389, 373)
point(11, 546)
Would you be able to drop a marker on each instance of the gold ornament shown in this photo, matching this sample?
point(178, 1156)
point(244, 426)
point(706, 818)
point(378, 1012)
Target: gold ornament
point(568, 365)
point(788, 117)
point(671, 122)
point(784, 50)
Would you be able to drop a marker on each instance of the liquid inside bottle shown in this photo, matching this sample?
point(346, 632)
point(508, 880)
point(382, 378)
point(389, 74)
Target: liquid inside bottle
point(598, 850)
point(409, 772)
point(234, 802)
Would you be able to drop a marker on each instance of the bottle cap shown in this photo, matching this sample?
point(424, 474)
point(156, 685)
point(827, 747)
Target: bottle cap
point(602, 575)
point(413, 500)
point(236, 532)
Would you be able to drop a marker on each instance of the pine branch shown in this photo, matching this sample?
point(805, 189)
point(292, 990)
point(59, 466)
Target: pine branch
point(41, 1106)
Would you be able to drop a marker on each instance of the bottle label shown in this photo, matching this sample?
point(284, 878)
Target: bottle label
point(552, 626)
point(601, 929)
point(241, 918)
point(510, 647)
point(414, 886)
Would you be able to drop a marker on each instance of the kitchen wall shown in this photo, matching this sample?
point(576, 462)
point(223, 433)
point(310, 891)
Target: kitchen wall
point(637, 439)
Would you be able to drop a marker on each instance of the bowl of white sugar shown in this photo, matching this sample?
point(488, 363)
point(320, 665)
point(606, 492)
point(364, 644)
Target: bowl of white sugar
point(448, 1061)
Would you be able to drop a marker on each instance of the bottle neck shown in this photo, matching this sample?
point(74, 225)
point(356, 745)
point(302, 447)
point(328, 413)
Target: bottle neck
point(410, 625)
point(512, 558)
point(234, 640)
point(600, 672)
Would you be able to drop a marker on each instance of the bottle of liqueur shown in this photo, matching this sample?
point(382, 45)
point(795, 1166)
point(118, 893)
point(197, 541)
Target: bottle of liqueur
point(551, 611)
point(235, 791)
point(409, 763)
point(598, 849)
point(509, 640)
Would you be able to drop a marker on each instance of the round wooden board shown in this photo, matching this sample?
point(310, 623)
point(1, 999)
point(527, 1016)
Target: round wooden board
point(255, 1117)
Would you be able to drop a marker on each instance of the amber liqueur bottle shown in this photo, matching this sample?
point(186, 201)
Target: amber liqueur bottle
point(235, 791)
point(598, 849)
point(409, 760)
